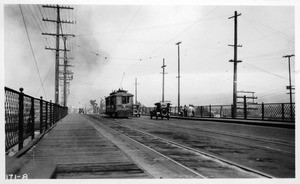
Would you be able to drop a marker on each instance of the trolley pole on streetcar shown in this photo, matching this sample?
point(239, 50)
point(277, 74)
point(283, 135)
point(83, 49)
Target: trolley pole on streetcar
point(178, 43)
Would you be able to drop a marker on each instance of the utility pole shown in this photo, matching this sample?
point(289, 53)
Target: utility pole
point(135, 90)
point(178, 75)
point(243, 94)
point(290, 85)
point(163, 81)
point(65, 71)
point(57, 49)
point(235, 61)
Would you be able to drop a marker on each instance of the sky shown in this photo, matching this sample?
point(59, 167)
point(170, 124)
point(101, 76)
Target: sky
point(114, 44)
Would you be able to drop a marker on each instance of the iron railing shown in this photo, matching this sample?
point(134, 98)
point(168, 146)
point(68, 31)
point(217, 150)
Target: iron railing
point(263, 111)
point(25, 115)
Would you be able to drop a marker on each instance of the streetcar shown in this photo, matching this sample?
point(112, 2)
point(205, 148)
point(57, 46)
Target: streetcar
point(119, 104)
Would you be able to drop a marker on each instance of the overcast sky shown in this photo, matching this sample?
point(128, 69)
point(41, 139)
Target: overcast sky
point(114, 44)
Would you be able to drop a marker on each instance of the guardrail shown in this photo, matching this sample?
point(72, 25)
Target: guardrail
point(263, 111)
point(26, 116)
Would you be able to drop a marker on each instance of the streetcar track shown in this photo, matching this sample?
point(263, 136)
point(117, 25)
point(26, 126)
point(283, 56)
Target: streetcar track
point(261, 139)
point(249, 138)
point(149, 148)
point(165, 146)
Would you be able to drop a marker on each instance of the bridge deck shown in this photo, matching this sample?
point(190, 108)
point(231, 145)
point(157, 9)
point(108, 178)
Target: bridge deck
point(74, 149)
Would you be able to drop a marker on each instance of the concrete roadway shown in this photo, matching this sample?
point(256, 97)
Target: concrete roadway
point(267, 149)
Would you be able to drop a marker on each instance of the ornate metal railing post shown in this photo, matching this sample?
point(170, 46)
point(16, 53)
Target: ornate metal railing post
point(292, 112)
point(21, 119)
point(232, 112)
point(201, 111)
point(245, 107)
point(51, 113)
point(262, 111)
point(32, 117)
point(46, 119)
point(41, 115)
point(282, 111)
point(210, 111)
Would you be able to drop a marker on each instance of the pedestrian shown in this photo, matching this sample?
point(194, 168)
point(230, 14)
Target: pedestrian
point(185, 111)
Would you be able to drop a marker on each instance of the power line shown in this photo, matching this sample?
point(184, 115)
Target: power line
point(50, 69)
point(126, 28)
point(264, 36)
point(266, 71)
point(32, 51)
point(190, 26)
point(46, 27)
point(34, 18)
point(275, 31)
point(136, 28)
point(265, 55)
point(39, 15)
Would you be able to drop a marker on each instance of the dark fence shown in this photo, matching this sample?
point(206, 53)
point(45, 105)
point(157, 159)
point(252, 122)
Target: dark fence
point(25, 115)
point(263, 111)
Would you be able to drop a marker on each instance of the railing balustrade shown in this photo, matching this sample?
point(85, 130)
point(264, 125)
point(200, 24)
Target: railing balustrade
point(26, 115)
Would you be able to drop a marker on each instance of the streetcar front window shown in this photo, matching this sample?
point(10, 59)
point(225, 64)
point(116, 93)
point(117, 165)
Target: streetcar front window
point(125, 99)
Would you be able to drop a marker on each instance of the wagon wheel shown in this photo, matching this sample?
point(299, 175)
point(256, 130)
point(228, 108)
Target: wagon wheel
point(164, 112)
point(135, 112)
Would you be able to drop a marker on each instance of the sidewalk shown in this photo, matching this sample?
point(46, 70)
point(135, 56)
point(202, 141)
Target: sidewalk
point(243, 121)
point(74, 149)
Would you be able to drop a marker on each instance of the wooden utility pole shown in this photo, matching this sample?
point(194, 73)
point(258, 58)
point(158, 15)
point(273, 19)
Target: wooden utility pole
point(178, 43)
point(235, 61)
point(290, 85)
point(135, 90)
point(163, 81)
point(65, 71)
point(57, 49)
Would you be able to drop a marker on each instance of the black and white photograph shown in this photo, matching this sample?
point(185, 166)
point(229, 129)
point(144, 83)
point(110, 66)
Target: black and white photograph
point(148, 91)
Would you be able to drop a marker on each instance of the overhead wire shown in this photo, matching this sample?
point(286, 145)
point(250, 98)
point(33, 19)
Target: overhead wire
point(42, 29)
point(266, 71)
point(266, 37)
point(275, 31)
point(34, 18)
point(32, 51)
point(187, 28)
point(121, 36)
point(42, 16)
point(43, 24)
point(47, 26)
point(50, 69)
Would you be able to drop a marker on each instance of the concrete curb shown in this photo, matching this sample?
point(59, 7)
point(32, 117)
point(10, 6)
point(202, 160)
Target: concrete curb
point(278, 124)
point(241, 121)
